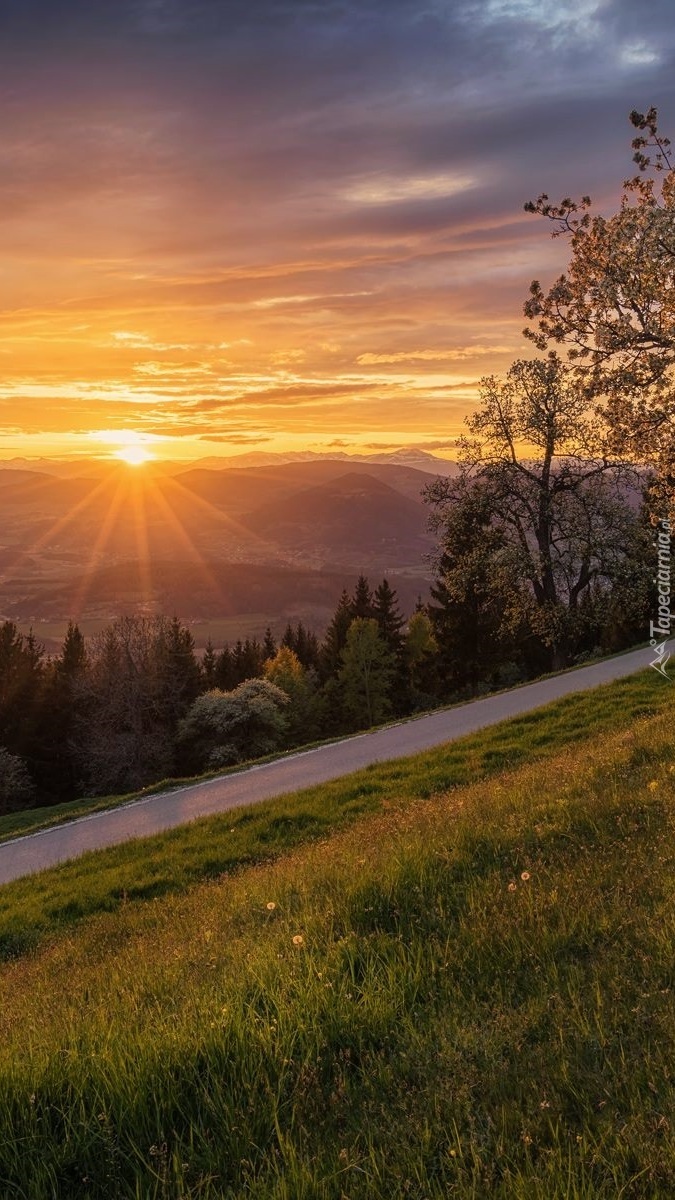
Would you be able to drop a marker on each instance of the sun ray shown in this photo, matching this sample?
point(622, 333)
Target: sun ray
point(58, 527)
point(80, 596)
point(242, 531)
point(140, 510)
point(145, 514)
point(195, 555)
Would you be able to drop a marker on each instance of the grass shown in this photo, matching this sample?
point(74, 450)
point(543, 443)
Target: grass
point(468, 992)
point(34, 907)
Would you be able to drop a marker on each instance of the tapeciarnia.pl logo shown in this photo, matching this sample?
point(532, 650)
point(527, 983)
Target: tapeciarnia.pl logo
point(659, 630)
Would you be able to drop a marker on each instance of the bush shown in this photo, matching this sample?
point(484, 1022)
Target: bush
point(16, 786)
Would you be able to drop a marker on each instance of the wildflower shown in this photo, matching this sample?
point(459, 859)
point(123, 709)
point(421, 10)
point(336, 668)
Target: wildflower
point(512, 887)
point(270, 906)
point(653, 785)
point(298, 939)
point(524, 875)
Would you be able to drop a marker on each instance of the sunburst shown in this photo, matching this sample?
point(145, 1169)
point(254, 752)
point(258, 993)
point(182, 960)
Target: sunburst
point(134, 455)
point(138, 503)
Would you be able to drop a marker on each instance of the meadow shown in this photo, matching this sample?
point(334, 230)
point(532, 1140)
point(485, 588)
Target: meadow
point(449, 977)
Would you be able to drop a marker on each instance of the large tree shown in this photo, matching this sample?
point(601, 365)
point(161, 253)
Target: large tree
point(557, 502)
point(614, 307)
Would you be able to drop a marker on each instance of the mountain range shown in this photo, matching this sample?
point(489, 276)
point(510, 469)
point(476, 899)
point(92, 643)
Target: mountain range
point(91, 540)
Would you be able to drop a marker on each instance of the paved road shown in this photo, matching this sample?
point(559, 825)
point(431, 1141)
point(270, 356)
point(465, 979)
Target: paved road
point(152, 814)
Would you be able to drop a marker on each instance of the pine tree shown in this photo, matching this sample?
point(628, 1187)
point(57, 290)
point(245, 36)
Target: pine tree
point(63, 710)
point(390, 623)
point(471, 595)
point(269, 645)
point(306, 647)
point(335, 638)
point(225, 672)
point(388, 617)
point(22, 679)
point(209, 667)
point(177, 669)
point(288, 639)
point(362, 600)
point(73, 655)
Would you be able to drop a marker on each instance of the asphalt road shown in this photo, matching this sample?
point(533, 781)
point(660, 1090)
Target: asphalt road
point(152, 814)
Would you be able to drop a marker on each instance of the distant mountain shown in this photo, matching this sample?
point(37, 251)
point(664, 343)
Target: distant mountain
point(322, 514)
point(92, 468)
point(61, 468)
point(354, 519)
point(245, 488)
point(18, 475)
point(409, 456)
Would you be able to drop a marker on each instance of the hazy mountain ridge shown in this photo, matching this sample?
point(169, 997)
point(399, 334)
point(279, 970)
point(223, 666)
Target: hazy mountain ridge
point(81, 546)
point(355, 516)
point(422, 460)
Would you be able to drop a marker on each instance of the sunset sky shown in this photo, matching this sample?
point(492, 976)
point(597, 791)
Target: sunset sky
point(233, 225)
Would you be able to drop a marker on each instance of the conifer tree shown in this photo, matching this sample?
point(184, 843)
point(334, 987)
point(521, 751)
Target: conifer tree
point(362, 600)
point(62, 714)
point(288, 638)
point(389, 619)
point(335, 638)
point(306, 646)
point(225, 674)
point(209, 667)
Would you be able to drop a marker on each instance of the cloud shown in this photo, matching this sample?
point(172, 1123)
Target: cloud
point(301, 187)
point(437, 444)
point(458, 354)
point(234, 439)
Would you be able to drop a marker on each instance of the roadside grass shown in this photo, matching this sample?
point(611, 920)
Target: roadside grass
point(33, 907)
point(17, 824)
point(468, 995)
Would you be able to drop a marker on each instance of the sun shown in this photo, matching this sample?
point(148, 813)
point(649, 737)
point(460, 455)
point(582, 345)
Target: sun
point(133, 456)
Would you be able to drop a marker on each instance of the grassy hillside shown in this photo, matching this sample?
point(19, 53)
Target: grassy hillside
point(465, 992)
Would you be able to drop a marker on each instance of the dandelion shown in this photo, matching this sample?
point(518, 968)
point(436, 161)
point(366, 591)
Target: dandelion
point(653, 784)
point(524, 875)
point(512, 887)
point(270, 906)
point(298, 939)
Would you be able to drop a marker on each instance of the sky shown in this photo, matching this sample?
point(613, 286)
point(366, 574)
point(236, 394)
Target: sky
point(237, 225)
